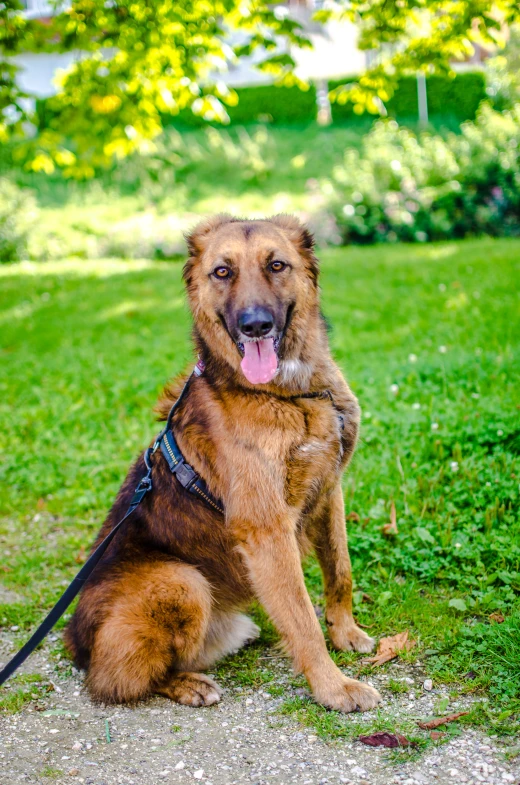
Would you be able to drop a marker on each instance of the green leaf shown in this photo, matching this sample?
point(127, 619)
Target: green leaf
point(425, 535)
point(458, 604)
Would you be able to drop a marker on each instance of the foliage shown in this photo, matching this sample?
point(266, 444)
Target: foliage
point(17, 216)
point(423, 35)
point(426, 187)
point(141, 60)
point(490, 652)
point(142, 205)
point(458, 95)
point(426, 335)
point(144, 61)
point(504, 73)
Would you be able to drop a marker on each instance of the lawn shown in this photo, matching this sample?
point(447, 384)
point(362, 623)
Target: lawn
point(428, 338)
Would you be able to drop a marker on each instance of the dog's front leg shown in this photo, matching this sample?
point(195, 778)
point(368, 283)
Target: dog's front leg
point(273, 559)
point(330, 541)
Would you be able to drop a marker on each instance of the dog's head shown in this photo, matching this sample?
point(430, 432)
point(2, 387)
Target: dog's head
point(252, 287)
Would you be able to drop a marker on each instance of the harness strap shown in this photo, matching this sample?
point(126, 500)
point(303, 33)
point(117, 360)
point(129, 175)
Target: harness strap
point(186, 475)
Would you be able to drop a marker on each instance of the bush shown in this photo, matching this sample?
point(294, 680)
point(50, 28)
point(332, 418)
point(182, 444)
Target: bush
point(401, 186)
point(458, 96)
point(17, 216)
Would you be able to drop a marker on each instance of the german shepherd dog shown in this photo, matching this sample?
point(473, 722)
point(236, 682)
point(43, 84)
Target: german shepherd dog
point(168, 598)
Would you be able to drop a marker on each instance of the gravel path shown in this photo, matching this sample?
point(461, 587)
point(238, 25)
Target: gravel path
point(63, 739)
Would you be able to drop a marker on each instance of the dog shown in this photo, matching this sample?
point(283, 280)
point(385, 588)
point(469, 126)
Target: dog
point(270, 425)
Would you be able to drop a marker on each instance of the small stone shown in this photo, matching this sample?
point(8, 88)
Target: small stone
point(54, 730)
point(198, 774)
point(76, 746)
point(180, 765)
point(312, 738)
point(428, 685)
point(73, 772)
point(15, 628)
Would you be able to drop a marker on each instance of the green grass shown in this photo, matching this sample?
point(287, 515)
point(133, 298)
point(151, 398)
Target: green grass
point(427, 336)
point(22, 690)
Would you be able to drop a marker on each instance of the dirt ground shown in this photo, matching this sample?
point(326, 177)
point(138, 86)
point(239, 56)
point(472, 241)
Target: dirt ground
point(64, 738)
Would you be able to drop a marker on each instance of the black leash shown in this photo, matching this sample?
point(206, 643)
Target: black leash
point(77, 584)
point(188, 478)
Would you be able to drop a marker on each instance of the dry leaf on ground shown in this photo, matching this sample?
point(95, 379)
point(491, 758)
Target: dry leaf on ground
point(389, 529)
point(353, 516)
point(435, 735)
point(430, 724)
point(389, 648)
point(496, 616)
point(384, 739)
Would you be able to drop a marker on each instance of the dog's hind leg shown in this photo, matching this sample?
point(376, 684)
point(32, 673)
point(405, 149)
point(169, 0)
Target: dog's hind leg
point(156, 622)
point(227, 633)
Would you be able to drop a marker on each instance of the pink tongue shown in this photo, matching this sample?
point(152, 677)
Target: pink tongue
point(260, 363)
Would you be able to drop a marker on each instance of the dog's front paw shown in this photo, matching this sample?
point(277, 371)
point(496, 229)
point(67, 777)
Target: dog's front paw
point(350, 638)
point(348, 695)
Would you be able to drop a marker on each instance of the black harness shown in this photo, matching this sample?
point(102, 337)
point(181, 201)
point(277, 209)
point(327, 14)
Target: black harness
point(188, 478)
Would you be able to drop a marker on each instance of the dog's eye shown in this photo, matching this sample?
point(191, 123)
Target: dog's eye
point(277, 267)
point(222, 272)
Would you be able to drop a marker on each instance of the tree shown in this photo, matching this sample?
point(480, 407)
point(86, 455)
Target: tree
point(144, 59)
point(412, 36)
point(140, 60)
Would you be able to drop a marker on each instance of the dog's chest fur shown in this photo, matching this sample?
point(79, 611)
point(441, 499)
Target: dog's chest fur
point(314, 461)
point(300, 440)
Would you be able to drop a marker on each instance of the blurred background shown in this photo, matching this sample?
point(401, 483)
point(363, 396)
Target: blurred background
point(373, 125)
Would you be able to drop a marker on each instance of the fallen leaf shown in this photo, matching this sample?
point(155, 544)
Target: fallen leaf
point(389, 529)
point(40, 504)
point(389, 648)
point(80, 557)
point(384, 739)
point(435, 735)
point(430, 724)
point(353, 516)
point(496, 616)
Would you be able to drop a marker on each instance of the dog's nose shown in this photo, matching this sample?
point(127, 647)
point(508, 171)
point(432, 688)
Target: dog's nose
point(255, 322)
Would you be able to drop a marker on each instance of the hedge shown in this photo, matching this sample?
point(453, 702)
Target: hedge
point(459, 97)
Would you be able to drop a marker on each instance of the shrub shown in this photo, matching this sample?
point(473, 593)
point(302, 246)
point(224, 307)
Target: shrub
point(402, 186)
point(458, 96)
point(17, 216)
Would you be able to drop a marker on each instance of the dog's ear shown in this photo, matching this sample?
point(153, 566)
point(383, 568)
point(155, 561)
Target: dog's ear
point(301, 237)
point(196, 239)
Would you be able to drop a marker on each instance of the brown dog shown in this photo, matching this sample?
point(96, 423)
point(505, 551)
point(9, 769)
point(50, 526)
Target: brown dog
point(167, 599)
